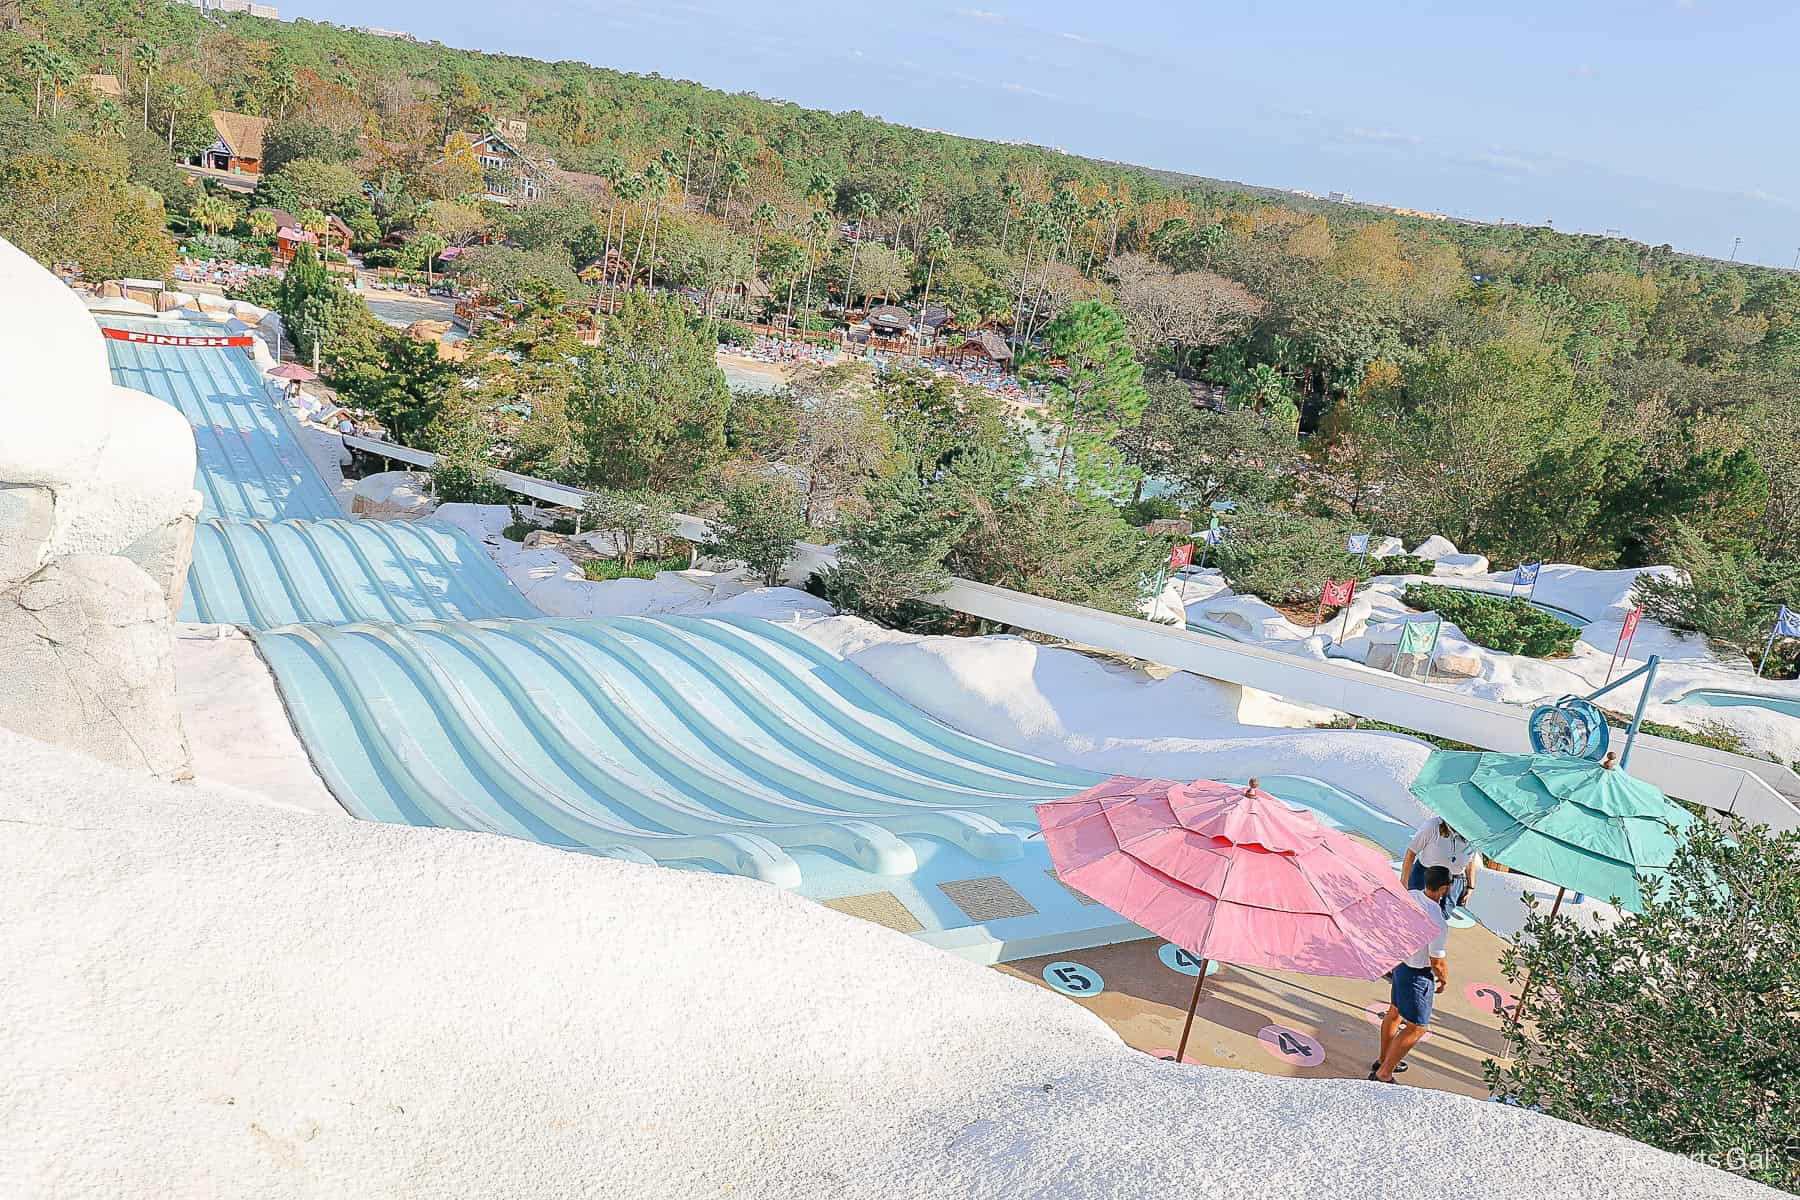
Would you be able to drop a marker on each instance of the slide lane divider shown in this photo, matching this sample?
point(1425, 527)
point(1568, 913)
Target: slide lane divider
point(781, 820)
point(738, 852)
point(838, 710)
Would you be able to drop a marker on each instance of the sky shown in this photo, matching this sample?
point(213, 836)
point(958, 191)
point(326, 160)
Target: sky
point(1662, 120)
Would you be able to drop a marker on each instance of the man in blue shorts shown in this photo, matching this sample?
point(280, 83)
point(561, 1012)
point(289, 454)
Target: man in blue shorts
point(1417, 981)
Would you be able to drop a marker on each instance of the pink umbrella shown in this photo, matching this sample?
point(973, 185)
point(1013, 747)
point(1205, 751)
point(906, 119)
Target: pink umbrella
point(292, 371)
point(1233, 874)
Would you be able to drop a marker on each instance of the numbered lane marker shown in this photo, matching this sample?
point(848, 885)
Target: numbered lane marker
point(1490, 999)
point(1184, 962)
point(1291, 1046)
point(1073, 979)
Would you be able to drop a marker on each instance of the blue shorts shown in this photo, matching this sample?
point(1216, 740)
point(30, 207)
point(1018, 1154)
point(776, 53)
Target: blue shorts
point(1414, 991)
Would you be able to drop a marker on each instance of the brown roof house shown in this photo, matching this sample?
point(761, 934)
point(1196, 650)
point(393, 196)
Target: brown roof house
point(239, 149)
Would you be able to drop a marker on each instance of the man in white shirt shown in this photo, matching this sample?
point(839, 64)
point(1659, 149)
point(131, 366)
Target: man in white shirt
point(1436, 844)
point(1417, 981)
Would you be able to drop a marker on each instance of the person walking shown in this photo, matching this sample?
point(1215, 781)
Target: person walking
point(1436, 844)
point(1417, 981)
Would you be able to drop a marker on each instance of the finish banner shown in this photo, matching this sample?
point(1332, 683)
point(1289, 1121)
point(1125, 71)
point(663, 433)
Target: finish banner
point(175, 339)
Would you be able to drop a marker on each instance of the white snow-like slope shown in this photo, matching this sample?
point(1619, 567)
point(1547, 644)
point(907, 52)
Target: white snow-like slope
point(212, 998)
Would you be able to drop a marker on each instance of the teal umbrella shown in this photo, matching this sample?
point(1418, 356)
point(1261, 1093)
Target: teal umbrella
point(1571, 821)
point(1574, 822)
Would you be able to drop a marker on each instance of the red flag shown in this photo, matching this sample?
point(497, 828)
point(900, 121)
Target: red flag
point(1631, 624)
point(1336, 595)
point(1181, 556)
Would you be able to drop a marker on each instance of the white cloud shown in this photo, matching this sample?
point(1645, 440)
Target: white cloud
point(1389, 136)
point(1505, 162)
point(981, 14)
point(1076, 37)
point(1028, 91)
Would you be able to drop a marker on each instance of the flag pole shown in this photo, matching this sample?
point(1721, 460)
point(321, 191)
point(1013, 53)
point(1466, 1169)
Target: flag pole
point(1344, 630)
point(1767, 646)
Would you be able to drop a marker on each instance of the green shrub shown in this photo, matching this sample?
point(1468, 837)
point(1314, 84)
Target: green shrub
point(1508, 625)
point(264, 291)
point(733, 334)
point(1400, 564)
point(1282, 556)
point(602, 570)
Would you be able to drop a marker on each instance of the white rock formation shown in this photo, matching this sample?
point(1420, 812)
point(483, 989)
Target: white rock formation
point(217, 999)
point(97, 511)
point(393, 496)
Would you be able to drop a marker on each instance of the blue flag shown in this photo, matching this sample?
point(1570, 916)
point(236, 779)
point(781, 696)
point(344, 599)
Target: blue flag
point(1213, 536)
point(1787, 623)
point(1357, 543)
point(1526, 573)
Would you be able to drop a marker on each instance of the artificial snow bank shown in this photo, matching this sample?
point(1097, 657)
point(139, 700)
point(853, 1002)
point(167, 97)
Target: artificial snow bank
point(217, 999)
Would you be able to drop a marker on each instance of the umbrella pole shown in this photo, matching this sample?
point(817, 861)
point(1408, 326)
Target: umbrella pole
point(1519, 1008)
point(1199, 982)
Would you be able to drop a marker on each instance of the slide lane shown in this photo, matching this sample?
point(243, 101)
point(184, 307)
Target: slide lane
point(639, 738)
point(250, 464)
point(336, 572)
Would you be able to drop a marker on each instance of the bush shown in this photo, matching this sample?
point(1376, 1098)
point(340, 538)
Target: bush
point(1675, 1028)
point(264, 291)
point(1284, 557)
point(1399, 564)
point(1730, 599)
point(637, 521)
point(759, 526)
point(602, 570)
point(733, 334)
point(1497, 622)
point(218, 247)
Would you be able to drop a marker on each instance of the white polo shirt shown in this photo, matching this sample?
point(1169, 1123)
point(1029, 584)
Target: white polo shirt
point(1439, 945)
point(1433, 849)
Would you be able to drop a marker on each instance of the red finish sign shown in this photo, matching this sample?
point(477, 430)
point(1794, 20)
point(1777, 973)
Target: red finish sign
point(1181, 556)
point(1631, 623)
point(174, 339)
point(1336, 595)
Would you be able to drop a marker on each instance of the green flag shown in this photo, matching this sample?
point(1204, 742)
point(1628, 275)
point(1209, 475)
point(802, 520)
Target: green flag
point(1419, 638)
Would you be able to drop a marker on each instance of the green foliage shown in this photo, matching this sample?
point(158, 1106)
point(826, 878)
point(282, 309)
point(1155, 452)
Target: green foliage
point(507, 273)
point(1501, 623)
point(894, 554)
point(1676, 1027)
point(69, 199)
point(319, 312)
point(1208, 455)
point(638, 521)
point(730, 333)
point(1398, 564)
point(404, 385)
point(297, 138)
point(758, 525)
point(1048, 541)
point(1730, 598)
point(650, 409)
point(1284, 557)
point(603, 570)
point(1098, 392)
point(460, 474)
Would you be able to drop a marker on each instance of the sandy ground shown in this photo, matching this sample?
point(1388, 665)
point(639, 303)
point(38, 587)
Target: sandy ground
point(1244, 1012)
point(752, 372)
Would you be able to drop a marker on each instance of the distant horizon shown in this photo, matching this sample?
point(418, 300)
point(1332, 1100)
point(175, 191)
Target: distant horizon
point(1488, 121)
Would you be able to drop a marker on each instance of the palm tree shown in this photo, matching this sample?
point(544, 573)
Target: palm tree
point(109, 118)
point(40, 59)
point(862, 207)
point(937, 245)
point(736, 176)
point(143, 57)
point(631, 190)
point(315, 222)
point(175, 95)
point(1010, 194)
point(212, 212)
point(284, 89)
point(613, 170)
point(63, 74)
point(690, 134)
point(1035, 218)
point(656, 184)
point(818, 227)
point(761, 217)
point(716, 139)
point(906, 204)
point(263, 222)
